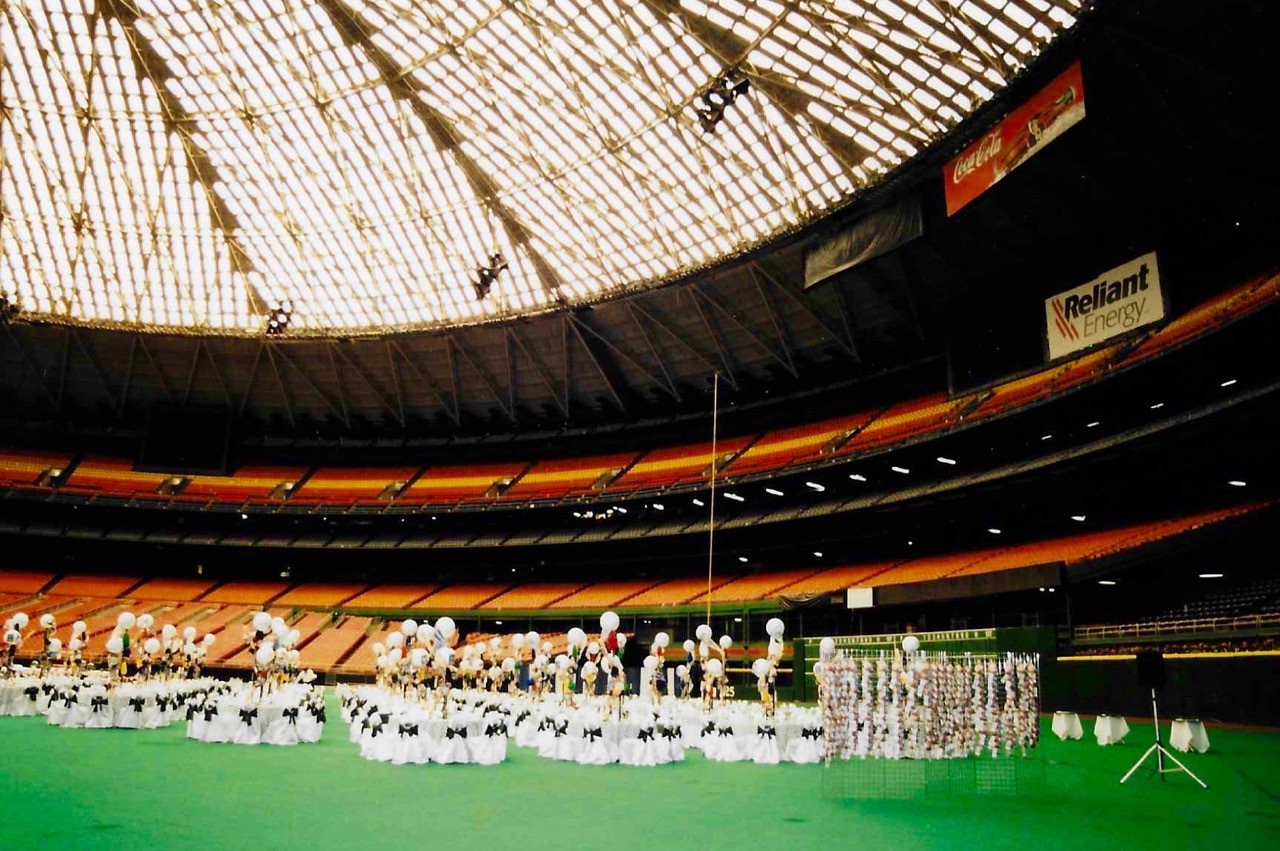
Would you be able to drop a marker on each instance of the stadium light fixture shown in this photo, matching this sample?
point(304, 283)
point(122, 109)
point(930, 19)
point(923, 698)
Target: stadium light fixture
point(1237, 483)
point(857, 477)
point(994, 531)
point(1157, 406)
point(945, 460)
point(735, 497)
point(1079, 518)
point(1228, 382)
point(657, 506)
point(1106, 582)
point(819, 488)
point(817, 554)
point(742, 559)
point(699, 503)
point(1046, 437)
point(1093, 424)
point(773, 492)
point(903, 470)
point(1211, 576)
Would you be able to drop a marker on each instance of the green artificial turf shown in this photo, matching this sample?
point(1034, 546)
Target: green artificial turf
point(71, 789)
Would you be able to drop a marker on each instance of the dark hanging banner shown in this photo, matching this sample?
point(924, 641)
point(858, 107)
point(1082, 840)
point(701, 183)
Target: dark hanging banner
point(868, 238)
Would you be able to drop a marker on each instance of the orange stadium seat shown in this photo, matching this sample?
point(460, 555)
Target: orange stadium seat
point(23, 582)
point(318, 595)
point(350, 484)
point(251, 483)
point(602, 595)
point(758, 587)
point(328, 648)
point(906, 420)
point(837, 579)
point(94, 586)
point(461, 596)
point(20, 469)
point(389, 597)
point(677, 591)
point(533, 596)
point(777, 449)
point(182, 590)
point(245, 592)
point(449, 484)
point(927, 568)
point(675, 465)
point(114, 477)
point(563, 476)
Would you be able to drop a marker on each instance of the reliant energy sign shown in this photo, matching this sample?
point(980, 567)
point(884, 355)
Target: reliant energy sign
point(1116, 302)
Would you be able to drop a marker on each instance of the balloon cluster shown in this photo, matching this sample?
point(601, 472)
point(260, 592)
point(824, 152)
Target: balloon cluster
point(274, 647)
point(416, 655)
point(168, 653)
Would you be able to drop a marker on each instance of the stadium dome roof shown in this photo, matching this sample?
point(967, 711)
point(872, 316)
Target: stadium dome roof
point(192, 165)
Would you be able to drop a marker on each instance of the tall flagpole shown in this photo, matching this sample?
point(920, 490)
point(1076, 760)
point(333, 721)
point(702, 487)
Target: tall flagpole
point(711, 529)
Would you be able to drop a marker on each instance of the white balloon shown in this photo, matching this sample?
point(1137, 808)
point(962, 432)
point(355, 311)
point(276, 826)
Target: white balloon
point(378, 649)
point(261, 621)
point(495, 643)
point(532, 638)
point(168, 631)
point(577, 637)
point(714, 667)
point(279, 628)
point(395, 639)
point(395, 655)
point(622, 640)
point(589, 668)
point(209, 638)
point(662, 639)
point(703, 632)
point(146, 621)
point(126, 620)
point(726, 642)
point(516, 641)
point(681, 670)
point(409, 627)
point(293, 637)
point(151, 646)
point(265, 654)
point(294, 656)
point(609, 621)
point(74, 645)
point(775, 627)
point(562, 662)
point(650, 662)
point(189, 633)
point(546, 648)
point(593, 648)
point(508, 664)
point(443, 656)
point(79, 627)
point(424, 632)
point(760, 668)
point(826, 647)
point(47, 621)
point(688, 645)
point(911, 644)
point(115, 645)
point(446, 627)
point(818, 668)
point(12, 636)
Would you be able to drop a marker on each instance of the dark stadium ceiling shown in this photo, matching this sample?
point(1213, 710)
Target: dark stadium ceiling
point(191, 166)
point(1100, 194)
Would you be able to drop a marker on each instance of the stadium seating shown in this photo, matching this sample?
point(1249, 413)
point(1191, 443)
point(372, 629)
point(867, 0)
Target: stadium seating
point(461, 596)
point(245, 592)
point(674, 465)
point(390, 596)
point(318, 595)
point(906, 420)
point(114, 477)
point(758, 587)
point(786, 446)
point(677, 592)
point(564, 476)
point(24, 583)
point(252, 483)
point(446, 485)
point(602, 595)
point(534, 596)
point(172, 589)
point(350, 484)
point(94, 586)
point(21, 469)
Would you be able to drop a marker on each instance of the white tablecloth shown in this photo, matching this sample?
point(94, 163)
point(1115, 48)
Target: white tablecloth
point(1188, 734)
point(1110, 729)
point(1066, 725)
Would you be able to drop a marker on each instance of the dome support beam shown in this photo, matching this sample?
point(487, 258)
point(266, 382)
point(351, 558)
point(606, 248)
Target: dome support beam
point(354, 33)
point(179, 122)
point(732, 51)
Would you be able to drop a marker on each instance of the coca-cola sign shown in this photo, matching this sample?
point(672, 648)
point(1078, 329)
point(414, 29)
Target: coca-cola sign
point(1015, 139)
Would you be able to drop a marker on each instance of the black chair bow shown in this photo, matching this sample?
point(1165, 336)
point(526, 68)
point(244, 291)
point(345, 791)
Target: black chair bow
point(561, 730)
point(292, 714)
point(498, 729)
point(670, 733)
point(210, 712)
point(725, 731)
point(709, 729)
point(247, 716)
point(523, 716)
point(814, 733)
point(136, 703)
point(47, 688)
point(98, 703)
point(456, 732)
point(69, 699)
point(544, 724)
point(191, 711)
point(374, 730)
point(593, 733)
point(317, 712)
point(163, 703)
point(646, 735)
point(408, 729)
point(770, 731)
point(32, 692)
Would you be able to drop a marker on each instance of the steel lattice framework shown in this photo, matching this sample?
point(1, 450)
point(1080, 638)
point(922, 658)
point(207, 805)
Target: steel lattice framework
point(190, 164)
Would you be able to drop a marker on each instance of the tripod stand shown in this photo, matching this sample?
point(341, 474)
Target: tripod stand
point(1161, 752)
